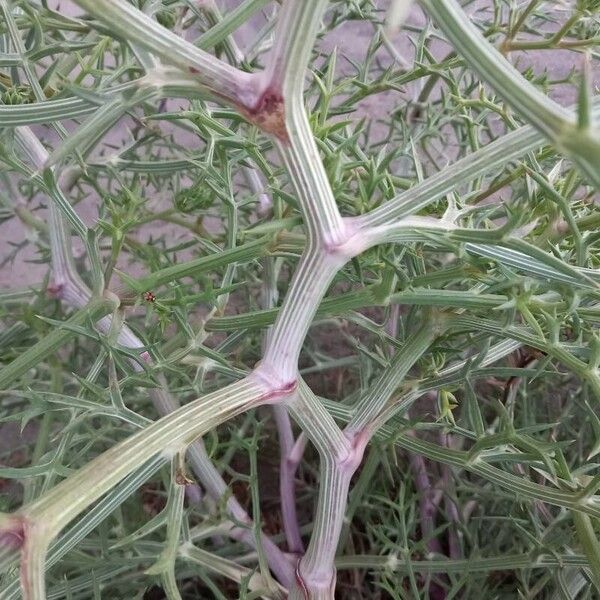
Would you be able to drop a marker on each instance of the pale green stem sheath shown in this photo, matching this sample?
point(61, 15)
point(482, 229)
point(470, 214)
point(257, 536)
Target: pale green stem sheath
point(460, 459)
point(494, 155)
point(399, 564)
point(220, 79)
point(341, 453)
point(339, 458)
point(273, 100)
point(69, 287)
point(373, 403)
point(227, 568)
point(40, 521)
point(288, 461)
point(282, 420)
point(309, 284)
point(327, 249)
point(297, 28)
point(216, 487)
point(315, 272)
point(536, 107)
point(164, 567)
point(83, 526)
point(584, 525)
point(555, 122)
point(301, 159)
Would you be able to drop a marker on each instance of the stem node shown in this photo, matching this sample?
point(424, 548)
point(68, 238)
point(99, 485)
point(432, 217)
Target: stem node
point(268, 113)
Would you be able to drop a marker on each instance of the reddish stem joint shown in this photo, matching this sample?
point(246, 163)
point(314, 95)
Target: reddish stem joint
point(268, 113)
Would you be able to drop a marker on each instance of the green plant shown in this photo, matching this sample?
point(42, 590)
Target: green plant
point(464, 299)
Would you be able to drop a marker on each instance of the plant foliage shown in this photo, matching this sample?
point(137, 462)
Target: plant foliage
point(314, 311)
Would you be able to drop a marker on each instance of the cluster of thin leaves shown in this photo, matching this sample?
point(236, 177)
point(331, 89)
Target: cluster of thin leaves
point(195, 222)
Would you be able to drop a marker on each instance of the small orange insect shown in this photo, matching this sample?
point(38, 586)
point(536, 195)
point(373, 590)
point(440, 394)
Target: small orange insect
point(149, 296)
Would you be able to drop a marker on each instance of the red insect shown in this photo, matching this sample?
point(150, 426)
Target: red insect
point(149, 296)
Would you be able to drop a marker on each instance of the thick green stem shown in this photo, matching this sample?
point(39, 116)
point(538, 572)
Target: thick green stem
point(554, 121)
point(220, 79)
point(41, 520)
point(591, 546)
